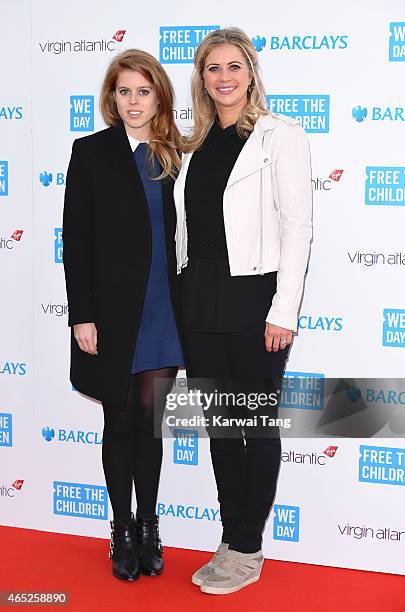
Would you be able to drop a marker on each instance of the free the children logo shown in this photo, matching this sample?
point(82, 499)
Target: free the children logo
point(311, 111)
point(58, 245)
point(3, 178)
point(6, 429)
point(80, 500)
point(385, 186)
point(178, 44)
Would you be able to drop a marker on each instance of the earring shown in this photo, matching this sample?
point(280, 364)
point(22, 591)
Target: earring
point(250, 87)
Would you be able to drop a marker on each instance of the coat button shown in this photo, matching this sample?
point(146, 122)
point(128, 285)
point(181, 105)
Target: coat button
point(254, 269)
point(266, 159)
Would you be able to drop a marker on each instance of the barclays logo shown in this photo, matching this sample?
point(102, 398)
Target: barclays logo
point(309, 42)
point(353, 394)
point(13, 368)
point(48, 434)
point(46, 178)
point(178, 44)
point(188, 512)
point(11, 112)
point(359, 113)
point(379, 113)
point(71, 435)
point(331, 324)
point(259, 42)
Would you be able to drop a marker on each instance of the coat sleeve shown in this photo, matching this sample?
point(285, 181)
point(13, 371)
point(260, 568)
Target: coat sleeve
point(78, 228)
point(293, 195)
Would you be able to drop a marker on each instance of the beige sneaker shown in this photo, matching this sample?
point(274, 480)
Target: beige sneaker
point(200, 575)
point(234, 571)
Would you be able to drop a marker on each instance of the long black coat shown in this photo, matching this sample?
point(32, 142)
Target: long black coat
point(107, 256)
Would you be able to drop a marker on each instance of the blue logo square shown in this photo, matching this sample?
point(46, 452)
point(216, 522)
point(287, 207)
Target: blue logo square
point(382, 465)
point(303, 390)
point(394, 327)
point(397, 42)
point(185, 446)
point(312, 111)
point(3, 178)
point(178, 44)
point(286, 524)
point(385, 186)
point(81, 113)
point(58, 247)
point(80, 500)
point(6, 429)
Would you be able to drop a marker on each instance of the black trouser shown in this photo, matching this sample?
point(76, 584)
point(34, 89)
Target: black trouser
point(131, 453)
point(246, 460)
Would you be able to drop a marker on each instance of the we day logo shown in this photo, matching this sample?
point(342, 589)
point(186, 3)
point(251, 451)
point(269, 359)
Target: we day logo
point(286, 523)
point(397, 42)
point(185, 446)
point(394, 327)
point(82, 113)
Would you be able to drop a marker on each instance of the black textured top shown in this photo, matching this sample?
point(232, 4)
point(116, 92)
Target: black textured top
point(207, 176)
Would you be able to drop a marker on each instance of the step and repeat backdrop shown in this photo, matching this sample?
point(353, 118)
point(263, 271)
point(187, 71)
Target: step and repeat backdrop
point(340, 71)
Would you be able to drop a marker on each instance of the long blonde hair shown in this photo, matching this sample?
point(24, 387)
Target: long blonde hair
point(165, 141)
point(204, 108)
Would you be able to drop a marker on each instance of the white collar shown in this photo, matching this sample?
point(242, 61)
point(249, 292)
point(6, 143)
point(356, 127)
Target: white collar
point(133, 142)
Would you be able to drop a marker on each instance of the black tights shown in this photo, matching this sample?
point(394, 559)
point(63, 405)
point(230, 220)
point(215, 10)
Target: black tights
point(131, 452)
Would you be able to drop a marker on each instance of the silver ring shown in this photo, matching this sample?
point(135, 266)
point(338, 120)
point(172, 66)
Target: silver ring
point(283, 341)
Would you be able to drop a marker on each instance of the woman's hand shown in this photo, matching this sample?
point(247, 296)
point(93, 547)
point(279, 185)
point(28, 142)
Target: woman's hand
point(86, 336)
point(276, 338)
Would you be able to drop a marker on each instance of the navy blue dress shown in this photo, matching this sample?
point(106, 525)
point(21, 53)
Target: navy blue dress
point(158, 344)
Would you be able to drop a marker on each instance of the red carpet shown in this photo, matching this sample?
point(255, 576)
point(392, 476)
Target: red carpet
point(33, 561)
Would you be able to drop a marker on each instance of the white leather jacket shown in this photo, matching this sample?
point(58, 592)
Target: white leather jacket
point(267, 207)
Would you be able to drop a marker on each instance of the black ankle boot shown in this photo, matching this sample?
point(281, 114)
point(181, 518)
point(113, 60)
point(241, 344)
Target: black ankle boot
point(125, 564)
point(149, 546)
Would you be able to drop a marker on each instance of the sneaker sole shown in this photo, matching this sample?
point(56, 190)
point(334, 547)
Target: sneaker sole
point(198, 581)
point(226, 591)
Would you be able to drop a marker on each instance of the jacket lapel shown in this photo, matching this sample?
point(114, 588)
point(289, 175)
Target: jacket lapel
point(251, 159)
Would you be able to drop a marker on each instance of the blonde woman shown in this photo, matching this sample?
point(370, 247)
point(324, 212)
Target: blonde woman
point(118, 234)
point(243, 201)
